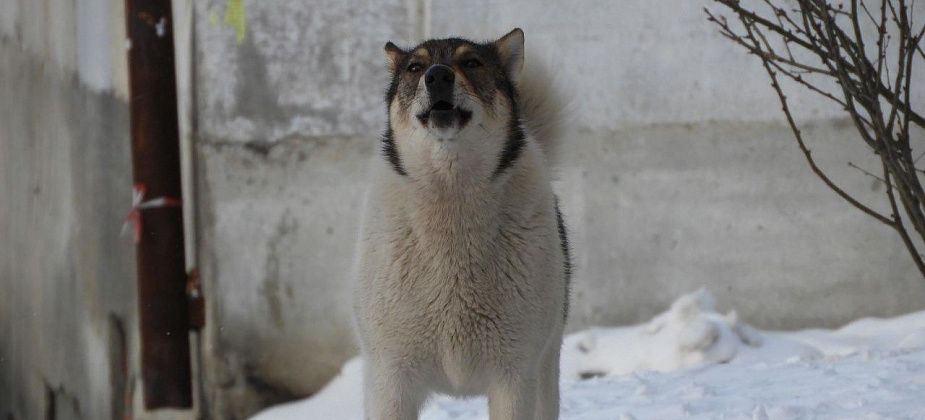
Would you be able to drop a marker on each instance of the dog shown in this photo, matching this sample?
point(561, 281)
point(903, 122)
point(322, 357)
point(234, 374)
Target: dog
point(463, 268)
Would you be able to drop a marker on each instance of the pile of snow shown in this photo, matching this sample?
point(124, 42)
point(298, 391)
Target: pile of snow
point(693, 362)
point(688, 334)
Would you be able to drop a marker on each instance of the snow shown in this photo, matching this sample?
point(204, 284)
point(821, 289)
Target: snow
point(694, 362)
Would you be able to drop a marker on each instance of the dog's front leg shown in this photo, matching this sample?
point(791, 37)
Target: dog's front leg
point(547, 400)
point(513, 397)
point(390, 394)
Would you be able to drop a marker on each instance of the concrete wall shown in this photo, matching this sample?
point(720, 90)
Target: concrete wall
point(678, 172)
point(67, 306)
point(68, 311)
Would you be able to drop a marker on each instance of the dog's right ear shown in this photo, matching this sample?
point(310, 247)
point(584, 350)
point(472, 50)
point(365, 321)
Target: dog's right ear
point(511, 49)
point(394, 54)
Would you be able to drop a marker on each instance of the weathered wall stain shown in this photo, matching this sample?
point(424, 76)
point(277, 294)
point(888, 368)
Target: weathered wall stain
point(272, 290)
point(256, 97)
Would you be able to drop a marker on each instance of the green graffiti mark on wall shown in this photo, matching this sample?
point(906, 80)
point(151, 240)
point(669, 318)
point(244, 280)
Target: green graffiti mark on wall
point(236, 18)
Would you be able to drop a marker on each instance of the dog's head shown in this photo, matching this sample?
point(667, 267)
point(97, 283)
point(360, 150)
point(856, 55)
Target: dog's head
point(453, 102)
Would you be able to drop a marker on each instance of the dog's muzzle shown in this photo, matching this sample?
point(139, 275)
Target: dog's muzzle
point(440, 81)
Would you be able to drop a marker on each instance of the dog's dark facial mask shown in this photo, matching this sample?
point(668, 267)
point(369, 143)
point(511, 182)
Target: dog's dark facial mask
point(440, 84)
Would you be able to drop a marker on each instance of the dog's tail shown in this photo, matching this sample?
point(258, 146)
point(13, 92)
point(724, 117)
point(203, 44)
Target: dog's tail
point(543, 107)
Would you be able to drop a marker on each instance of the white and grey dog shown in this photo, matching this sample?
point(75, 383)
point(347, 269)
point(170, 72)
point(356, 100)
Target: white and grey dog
point(464, 265)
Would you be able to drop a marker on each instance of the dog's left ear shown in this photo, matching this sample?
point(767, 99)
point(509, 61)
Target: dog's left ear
point(394, 54)
point(511, 50)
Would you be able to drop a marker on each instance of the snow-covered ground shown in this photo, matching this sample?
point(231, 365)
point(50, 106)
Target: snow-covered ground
point(692, 362)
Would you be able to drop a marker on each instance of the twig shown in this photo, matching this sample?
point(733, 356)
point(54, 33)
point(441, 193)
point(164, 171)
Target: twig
point(866, 172)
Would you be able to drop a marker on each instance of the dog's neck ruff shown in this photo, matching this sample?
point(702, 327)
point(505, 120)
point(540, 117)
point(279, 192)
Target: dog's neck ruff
point(390, 151)
point(512, 147)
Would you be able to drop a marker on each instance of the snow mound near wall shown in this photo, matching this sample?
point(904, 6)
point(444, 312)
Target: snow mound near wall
point(690, 333)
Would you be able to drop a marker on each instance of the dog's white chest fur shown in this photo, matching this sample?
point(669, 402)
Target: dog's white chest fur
point(459, 286)
point(459, 294)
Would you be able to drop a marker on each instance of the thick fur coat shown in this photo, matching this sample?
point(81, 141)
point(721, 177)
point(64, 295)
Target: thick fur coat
point(462, 279)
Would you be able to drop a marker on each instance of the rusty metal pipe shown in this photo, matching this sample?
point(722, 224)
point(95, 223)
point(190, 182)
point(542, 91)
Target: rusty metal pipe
point(164, 314)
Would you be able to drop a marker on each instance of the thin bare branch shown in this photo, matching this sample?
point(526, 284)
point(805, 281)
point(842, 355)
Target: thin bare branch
point(806, 151)
point(866, 172)
point(811, 46)
point(877, 101)
point(898, 224)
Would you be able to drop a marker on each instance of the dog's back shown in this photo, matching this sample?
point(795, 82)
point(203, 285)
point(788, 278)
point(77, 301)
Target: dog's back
point(463, 268)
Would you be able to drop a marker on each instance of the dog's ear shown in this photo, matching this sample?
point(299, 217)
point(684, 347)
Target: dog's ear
point(511, 50)
point(394, 54)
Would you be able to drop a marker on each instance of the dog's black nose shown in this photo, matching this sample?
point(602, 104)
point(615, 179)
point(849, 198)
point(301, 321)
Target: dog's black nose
point(439, 79)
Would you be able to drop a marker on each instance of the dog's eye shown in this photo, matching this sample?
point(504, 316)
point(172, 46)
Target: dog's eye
point(415, 67)
point(472, 63)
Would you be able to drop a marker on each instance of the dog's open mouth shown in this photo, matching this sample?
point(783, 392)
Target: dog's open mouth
point(444, 114)
point(442, 106)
